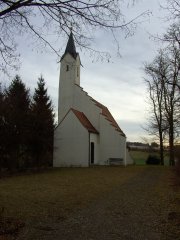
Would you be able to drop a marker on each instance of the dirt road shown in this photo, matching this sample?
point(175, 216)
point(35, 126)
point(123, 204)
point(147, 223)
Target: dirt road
point(135, 210)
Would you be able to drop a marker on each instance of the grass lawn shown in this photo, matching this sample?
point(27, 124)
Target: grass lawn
point(58, 191)
point(141, 156)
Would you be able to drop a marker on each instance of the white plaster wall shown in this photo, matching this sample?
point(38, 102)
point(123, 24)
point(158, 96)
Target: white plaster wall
point(83, 103)
point(67, 82)
point(129, 159)
point(95, 139)
point(71, 143)
point(77, 70)
point(112, 144)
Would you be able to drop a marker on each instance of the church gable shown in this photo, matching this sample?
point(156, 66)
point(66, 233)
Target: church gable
point(71, 143)
point(84, 121)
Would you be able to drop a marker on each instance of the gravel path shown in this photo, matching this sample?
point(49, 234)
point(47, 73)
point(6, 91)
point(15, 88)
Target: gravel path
point(132, 211)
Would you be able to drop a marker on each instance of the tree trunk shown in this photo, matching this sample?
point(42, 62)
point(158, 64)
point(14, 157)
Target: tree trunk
point(161, 148)
point(1, 157)
point(171, 146)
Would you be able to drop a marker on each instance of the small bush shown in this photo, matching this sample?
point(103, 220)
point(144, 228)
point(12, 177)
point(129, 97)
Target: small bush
point(153, 159)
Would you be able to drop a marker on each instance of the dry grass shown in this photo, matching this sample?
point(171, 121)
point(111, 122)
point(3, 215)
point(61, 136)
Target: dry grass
point(173, 224)
point(57, 192)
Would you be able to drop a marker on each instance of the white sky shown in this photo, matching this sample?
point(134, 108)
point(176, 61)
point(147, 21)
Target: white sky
point(118, 85)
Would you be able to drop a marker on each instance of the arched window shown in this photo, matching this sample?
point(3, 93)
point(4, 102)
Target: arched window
point(67, 68)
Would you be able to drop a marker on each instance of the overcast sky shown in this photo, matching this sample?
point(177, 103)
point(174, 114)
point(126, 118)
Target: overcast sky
point(119, 84)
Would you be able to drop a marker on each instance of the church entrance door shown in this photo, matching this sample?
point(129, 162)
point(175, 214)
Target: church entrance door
point(92, 152)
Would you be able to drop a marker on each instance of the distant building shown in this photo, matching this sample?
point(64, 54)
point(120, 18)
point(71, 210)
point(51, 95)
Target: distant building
point(87, 133)
point(142, 146)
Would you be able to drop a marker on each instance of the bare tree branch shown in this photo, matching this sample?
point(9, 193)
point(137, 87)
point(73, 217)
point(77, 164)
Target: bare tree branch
point(43, 17)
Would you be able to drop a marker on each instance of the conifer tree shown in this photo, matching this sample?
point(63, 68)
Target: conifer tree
point(1, 127)
point(17, 104)
point(42, 125)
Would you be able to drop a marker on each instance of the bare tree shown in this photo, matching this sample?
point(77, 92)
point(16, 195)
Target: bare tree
point(156, 72)
point(170, 84)
point(172, 39)
point(172, 97)
point(164, 94)
point(42, 18)
point(173, 7)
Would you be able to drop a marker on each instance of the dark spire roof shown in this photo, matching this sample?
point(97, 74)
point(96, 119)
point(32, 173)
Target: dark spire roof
point(70, 48)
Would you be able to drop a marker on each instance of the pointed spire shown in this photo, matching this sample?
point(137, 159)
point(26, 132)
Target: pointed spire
point(70, 48)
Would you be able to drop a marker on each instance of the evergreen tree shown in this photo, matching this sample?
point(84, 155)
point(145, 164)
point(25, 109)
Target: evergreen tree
point(17, 104)
point(42, 125)
point(2, 136)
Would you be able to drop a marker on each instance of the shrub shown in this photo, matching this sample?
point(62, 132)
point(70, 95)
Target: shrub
point(153, 159)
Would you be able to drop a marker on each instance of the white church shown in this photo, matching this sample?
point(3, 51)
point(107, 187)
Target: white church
point(86, 134)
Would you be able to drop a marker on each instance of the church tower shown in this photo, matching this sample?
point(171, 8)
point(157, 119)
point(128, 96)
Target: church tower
point(69, 76)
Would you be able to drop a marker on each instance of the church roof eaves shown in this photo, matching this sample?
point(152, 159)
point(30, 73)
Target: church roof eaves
point(106, 113)
point(84, 121)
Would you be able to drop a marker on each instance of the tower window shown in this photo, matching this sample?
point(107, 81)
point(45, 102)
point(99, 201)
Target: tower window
point(67, 68)
point(77, 72)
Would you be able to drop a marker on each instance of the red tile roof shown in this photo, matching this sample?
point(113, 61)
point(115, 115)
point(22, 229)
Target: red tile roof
point(105, 112)
point(84, 121)
point(108, 116)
